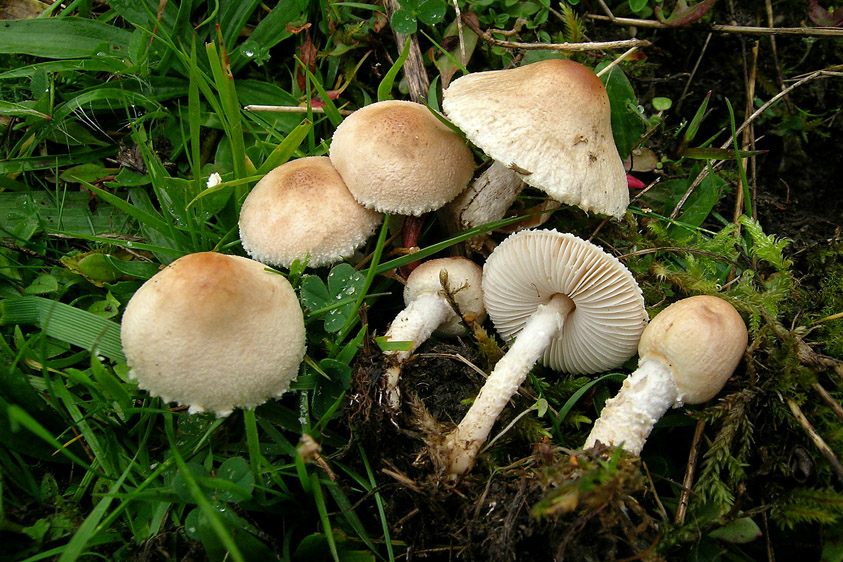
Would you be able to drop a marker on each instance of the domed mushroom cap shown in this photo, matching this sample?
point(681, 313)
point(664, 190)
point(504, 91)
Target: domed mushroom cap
point(701, 339)
point(464, 282)
point(397, 157)
point(528, 268)
point(304, 208)
point(550, 121)
point(214, 332)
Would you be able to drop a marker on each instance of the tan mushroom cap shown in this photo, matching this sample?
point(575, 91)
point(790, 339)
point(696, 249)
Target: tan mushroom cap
point(303, 208)
point(397, 157)
point(550, 121)
point(531, 266)
point(465, 280)
point(214, 332)
point(701, 339)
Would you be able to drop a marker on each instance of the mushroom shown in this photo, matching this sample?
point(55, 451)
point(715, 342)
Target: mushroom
point(565, 302)
point(303, 208)
point(214, 332)
point(686, 355)
point(429, 310)
point(397, 157)
point(550, 122)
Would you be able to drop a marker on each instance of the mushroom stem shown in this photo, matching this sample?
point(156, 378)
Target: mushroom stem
point(414, 324)
point(629, 417)
point(463, 444)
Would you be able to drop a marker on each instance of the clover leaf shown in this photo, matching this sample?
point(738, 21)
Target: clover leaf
point(405, 20)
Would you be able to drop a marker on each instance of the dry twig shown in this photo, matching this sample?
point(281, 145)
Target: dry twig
point(739, 29)
point(590, 46)
point(815, 437)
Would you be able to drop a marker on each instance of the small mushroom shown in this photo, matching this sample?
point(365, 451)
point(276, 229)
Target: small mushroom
point(303, 208)
point(429, 310)
point(686, 355)
point(397, 157)
point(558, 299)
point(214, 332)
point(550, 122)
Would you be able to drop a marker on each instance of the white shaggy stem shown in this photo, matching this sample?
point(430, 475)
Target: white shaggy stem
point(465, 441)
point(414, 324)
point(628, 418)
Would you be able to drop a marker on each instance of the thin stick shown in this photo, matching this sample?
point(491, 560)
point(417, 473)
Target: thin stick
point(828, 399)
point(417, 81)
point(815, 437)
point(590, 46)
point(748, 30)
point(291, 109)
point(779, 75)
point(459, 32)
point(748, 135)
point(687, 482)
point(693, 72)
point(615, 62)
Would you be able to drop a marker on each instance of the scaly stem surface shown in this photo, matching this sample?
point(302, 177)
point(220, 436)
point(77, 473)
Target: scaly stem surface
point(414, 324)
point(628, 418)
point(543, 326)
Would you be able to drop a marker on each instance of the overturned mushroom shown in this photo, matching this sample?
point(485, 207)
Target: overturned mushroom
point(214, 332)
point(429, 310)
point(565, 302)
point(687, 353)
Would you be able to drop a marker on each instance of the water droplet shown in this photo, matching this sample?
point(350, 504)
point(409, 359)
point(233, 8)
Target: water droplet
point(249, 53)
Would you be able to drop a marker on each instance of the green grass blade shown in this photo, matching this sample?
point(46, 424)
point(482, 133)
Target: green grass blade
point(385, 87)
point(199, 497)
point(566, 408)
point(445, 244)
point(66, 323)
point(322, 508)
point(90, 526)
point(331, 111)
point(89, 65)
point(148, 219)
point(370, 276)
point(20, 417)
point(18, 110)
point(234, 19)
point(69, 38)
point(272, 29)
point(33, 163)
point(747, 197)
point(372, 485)
point(230, 105)
point(286, 148)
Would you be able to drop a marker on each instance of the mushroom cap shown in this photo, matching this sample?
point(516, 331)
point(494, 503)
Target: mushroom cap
point(214, 332)
point(528, 268)
point(550, 121)
point(304, 208)
point(464, 283)
point(701, 339)
point(397, 157)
